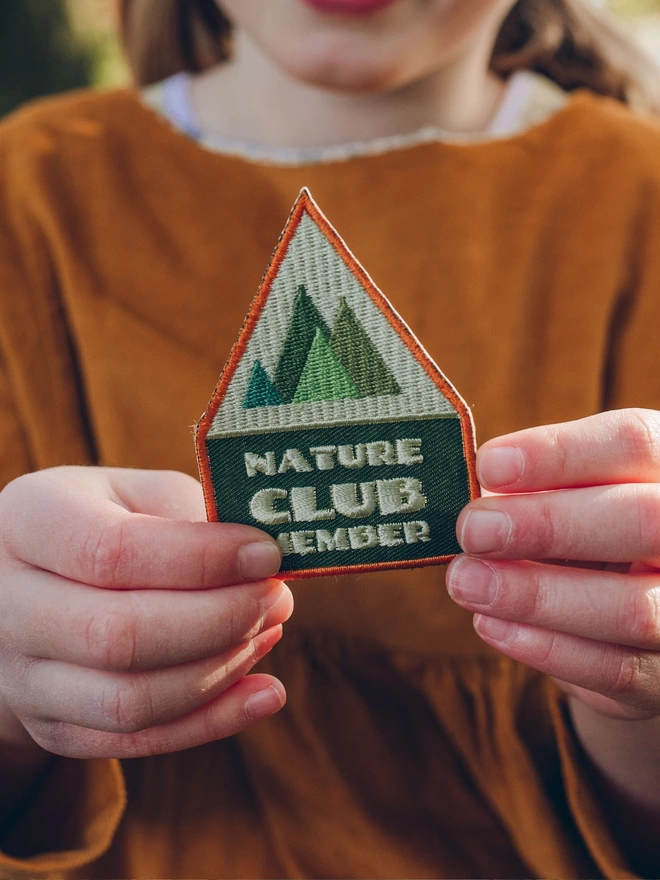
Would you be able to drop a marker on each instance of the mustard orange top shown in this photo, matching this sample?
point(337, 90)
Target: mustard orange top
point(529, 267)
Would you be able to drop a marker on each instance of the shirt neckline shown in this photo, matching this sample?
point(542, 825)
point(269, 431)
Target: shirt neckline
point(529, 100)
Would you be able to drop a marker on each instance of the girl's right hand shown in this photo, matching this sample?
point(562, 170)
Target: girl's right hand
point(128, 622)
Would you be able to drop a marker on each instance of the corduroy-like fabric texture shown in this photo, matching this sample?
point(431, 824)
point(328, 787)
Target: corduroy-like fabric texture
point(530, 270)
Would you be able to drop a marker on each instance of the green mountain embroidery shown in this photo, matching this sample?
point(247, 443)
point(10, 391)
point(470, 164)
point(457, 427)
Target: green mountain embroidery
point(261, 391)
point(315, 364)
point(305, 321)
point(359, 356)
point(323, 377)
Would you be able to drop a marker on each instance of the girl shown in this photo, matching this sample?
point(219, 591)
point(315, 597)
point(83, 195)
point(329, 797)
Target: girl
point(514, 224)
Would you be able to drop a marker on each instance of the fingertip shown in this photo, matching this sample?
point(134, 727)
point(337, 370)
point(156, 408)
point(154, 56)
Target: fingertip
point(266, 640)
point(459, 526)
point(495, 630)
point(259, 560)
point(277, 605)
point(266, 702)
point(482, 529)
point(499, 467)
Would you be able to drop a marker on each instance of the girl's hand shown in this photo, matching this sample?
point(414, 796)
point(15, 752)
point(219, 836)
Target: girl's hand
point(128, 622)
point(563, 569)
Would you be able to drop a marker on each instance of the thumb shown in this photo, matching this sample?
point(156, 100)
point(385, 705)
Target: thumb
point(105, 527)
point(168, 494)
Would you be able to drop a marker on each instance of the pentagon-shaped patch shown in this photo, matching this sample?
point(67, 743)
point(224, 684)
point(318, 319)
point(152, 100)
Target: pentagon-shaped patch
point(331, 428)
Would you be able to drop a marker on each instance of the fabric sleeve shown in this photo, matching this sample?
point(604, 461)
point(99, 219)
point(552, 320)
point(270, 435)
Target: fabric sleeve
point(68, 823)
point(632, 375)
point(43, 396)
point(15, 457)
point(631, 379)
point(70, 818)
point(588, 814)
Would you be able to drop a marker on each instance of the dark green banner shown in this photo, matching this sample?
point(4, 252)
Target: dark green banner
point(347, 495)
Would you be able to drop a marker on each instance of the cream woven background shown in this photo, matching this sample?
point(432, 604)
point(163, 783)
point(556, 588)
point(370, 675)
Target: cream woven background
point(311, 260)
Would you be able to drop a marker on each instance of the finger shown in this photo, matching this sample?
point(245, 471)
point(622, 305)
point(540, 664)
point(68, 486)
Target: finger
point(137, 630)
point(604, 523)
point(168, 494)
point(622, 446)
point(622, 609)
point(78, 525)
point(251, 699)
point(127, 703)
point(604, 705)
point(625, 675)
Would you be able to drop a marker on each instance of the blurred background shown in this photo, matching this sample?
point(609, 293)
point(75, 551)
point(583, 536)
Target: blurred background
point(49, 46)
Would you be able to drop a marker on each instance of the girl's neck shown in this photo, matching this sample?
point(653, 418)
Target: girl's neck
point(251, 99)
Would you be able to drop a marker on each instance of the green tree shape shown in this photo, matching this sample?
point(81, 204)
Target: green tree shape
point(305, 321)
point(260, 390)
point(359, 356)
point(323, 377)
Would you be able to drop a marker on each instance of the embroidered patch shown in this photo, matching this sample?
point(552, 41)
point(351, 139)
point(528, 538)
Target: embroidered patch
point(331, 428)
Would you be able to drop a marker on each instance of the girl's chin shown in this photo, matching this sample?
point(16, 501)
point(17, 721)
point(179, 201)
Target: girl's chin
point(351, 68)
point(357, 79)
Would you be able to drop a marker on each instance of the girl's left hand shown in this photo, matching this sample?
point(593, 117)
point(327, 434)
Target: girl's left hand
point(562, 569)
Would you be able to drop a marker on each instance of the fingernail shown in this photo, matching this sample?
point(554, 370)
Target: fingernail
point(500, 466)
point(495, 630)
point(276, 607)
point(485, 531)
point(472, 581)
point(263, 703)
point(260, 560)
point(266, 641)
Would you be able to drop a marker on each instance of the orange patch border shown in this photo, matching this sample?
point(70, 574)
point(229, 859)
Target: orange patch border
point(305, 204)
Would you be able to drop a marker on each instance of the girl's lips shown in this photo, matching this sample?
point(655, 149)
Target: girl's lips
point(349, 7)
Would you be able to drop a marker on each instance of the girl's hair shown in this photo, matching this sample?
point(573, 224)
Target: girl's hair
point(567, 40)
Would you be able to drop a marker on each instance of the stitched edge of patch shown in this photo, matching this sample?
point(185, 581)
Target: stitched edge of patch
point(305, 204)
